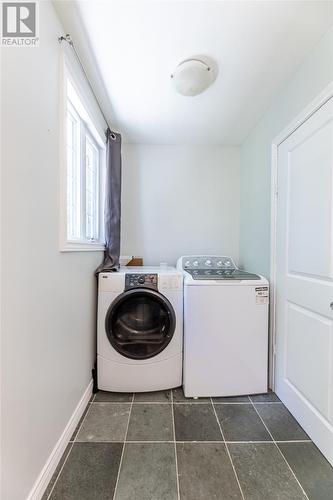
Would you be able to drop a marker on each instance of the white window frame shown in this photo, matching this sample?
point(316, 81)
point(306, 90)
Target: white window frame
point(93, 127)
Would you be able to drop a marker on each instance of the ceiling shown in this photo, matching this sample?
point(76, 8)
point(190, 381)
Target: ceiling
point(256, 44)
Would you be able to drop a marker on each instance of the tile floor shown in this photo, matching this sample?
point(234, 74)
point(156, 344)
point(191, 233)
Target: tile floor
point(162, 446)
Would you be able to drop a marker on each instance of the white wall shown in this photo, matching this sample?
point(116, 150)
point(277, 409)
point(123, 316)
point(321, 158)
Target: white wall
point(314, 74)
point(179, 200)
point(48, 308)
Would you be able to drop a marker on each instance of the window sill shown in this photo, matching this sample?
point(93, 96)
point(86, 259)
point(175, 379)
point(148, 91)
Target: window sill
point(82, 247)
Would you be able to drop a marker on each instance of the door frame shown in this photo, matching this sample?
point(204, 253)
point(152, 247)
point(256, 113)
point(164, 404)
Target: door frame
point(302, 117)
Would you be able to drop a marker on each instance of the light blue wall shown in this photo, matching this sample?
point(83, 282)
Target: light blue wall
point(311, 78)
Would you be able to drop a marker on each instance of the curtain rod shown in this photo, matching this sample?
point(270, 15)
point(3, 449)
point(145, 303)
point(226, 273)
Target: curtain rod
point(67, 38)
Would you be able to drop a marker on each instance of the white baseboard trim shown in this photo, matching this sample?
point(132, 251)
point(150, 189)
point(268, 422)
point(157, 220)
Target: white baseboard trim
point(51, 464)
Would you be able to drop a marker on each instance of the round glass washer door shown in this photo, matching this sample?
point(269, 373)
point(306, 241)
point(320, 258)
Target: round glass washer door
point(140, 323)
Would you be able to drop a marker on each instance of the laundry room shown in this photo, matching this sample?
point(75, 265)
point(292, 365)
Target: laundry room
point(166, 250)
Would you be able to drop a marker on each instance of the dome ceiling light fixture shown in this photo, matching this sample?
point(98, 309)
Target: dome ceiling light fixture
point(192, 76)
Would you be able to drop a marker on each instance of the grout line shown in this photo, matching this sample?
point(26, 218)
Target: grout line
point(189, 402)
point(60, 471)
point(266, 442)
point(196, 442)
point(152, 402)
point(85, 413)
point(192, 403)
point(123, 450)
point(249, 402)
point(253, 396)
point(229, 400)
point(265, 402)
point(275, 444)
point(85, 416)
point(295, 441)
point(175, 445)
point(131, 442)
point(156, 403)
point(75, 434)
point(232, 403)
point(112, 403)
point(150, 442)
point(134, 403)
point(227, 448)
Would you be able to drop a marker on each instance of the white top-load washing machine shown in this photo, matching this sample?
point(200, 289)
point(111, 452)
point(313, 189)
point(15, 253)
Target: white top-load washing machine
point(225, 328)
point(140, 329)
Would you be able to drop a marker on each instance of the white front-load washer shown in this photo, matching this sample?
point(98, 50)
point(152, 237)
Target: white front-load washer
point(140, 329)
point(225, 328)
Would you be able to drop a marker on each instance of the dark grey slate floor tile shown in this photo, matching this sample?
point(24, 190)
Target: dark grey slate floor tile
point(113, 397)
point(269, 397)
point(205, 472)
point(105, 422)
point(90, 472)
point(153, 397)
point(280, 423)
point(241, 423)
point(150, 422)
point(178, 397)
point(56, 472)
point(148, 472)
point(263, 473)
point(311, 469)
point(195, 422)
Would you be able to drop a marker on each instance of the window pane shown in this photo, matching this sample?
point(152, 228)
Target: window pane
point(83, 164)
point(73, 177)
point(92, 191)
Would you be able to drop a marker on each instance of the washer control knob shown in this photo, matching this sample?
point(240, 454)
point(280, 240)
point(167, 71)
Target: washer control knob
point(141, 280)
point(219, 263)
point(195, 263)
point(227, 263)
point(208, 262)
point(187, 263)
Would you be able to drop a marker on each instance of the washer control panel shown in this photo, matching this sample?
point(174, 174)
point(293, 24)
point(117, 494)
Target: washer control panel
point(141, 281)
point(212, 267)
point(208, 262)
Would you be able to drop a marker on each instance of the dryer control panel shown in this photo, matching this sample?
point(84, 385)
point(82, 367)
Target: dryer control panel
point(141, 281)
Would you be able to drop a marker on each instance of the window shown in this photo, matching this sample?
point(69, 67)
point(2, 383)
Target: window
point(84, 168)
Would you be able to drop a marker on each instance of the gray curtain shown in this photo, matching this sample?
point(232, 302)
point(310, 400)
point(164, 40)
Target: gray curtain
point(112, 210)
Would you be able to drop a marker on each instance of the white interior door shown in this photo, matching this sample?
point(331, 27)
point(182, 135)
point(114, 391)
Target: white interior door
point(304, 277)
